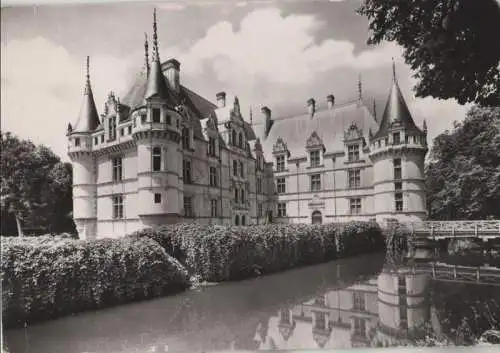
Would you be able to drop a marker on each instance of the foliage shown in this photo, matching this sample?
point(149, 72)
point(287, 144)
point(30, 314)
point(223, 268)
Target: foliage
point(463, 176)
point(219, 253)
point(46, 277)
point(449, 44)
point(35, 188)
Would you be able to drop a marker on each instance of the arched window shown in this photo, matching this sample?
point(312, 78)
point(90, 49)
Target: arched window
point(243, 220)
point(236, 220)
point(317, 217)
point(156, 159)
point(242, 171)
point(240, 140)
point(233, 137)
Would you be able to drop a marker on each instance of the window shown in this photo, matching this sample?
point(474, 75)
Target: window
point(282, 210)
point(117, 169)
point(398, 185)
point(281, 185)
point(156, 115)
point(236, 220)
point(118, 207)
point(156, 159)
point(315, 160)
point(358, 299)
point(185, 138)
point(143, 118)
point(122, 132)
point(157, 198)
point(242, 170)
point(188, 206)
point(177, 123)
point(353, 153)
point(186, 171)
point(354, 178)
point(242, 195)
point(211, 146)
point(414, 139)
point(399, 201)
point(396, 138)
point(379, 143)
point(77, 141)
point(112, 128)
point(213, 176)
point(315, 182)
point(240, 140)
point(259, 185)
point(355, 206)
point(96, 140)
point(397, 168)
point(213, 208)
point(259, 163)
point(386, 141)
point(280, 163)
point(407, 139)
point(236, 195)
point(235, 168)
point(243, 220)
point(129, 130)
point(285, 316)
point(320, 323)
point(102, 138)
point(169, 120)
point(359, 327)
point(233, 137)
point(259, 210)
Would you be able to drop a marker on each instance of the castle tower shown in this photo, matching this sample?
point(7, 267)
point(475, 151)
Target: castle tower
point(157, 136)
point(398, 152)
point(84, 165)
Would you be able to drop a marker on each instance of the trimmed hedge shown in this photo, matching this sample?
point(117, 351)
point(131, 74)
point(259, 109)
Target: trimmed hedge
point(221, 253)
point(46, 277)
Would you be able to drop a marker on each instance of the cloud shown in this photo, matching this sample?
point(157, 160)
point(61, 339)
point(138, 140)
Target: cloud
point(171, 6)
point(42, 86)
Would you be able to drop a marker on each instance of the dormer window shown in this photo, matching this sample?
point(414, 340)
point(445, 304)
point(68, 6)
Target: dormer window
point(353, 153)
point(156, 115)
point(396, 138)
point(240, 140)
point(112, 128)
point(233, 137)
point(315, 158)
point(280, 163)
point(143, 118)
point(77, 142)
point(211, 146)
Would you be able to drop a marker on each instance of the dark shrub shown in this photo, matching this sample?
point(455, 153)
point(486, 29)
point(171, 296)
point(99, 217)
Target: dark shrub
point(46, 277)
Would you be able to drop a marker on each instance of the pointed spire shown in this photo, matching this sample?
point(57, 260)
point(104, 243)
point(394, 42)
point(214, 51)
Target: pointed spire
point(88, 120)
point(393, 70)
point(146, 53)
point(374, 110)
point(157, 85)
point(425, 126)
point(360, 88)
point(251, 116)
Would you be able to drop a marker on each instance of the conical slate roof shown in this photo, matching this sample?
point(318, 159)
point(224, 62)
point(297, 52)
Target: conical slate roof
point(134, 98)
point(156, 85)
point(396, 110)
point(88, 119)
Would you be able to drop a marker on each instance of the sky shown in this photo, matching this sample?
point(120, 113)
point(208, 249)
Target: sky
point(273, 53)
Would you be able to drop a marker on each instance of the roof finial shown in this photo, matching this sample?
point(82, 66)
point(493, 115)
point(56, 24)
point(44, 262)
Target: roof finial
point(360, 88)
point(155, 38)
point(251, 116)
point(87, 72)
point(374, 110)
point(393, 69)
point(146, 53)
point(425, 126)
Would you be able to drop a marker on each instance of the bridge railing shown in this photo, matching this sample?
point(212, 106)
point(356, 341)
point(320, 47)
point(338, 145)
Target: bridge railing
point(456, 228)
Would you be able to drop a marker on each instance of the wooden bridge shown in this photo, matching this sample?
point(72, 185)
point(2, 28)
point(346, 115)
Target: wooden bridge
point(460, 274)
point(438, 230)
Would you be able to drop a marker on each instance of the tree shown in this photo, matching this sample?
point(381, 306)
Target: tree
point(463, 175)
point(452, 45)
point(35, 186)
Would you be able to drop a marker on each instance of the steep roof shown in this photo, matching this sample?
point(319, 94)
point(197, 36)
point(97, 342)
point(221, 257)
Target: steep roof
point(329, 124)
point(396, 110)
point(134, 98)
point(88, 119)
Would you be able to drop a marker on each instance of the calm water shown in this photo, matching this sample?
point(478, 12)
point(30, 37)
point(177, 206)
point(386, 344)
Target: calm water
point(357, 302)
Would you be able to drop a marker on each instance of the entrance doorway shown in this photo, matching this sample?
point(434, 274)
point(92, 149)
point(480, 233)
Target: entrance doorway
point(317, 218)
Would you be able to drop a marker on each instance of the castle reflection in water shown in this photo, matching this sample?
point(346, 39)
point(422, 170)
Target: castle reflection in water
point(384, 311)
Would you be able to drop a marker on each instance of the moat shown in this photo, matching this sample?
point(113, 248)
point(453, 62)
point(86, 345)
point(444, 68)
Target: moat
point(360, 302)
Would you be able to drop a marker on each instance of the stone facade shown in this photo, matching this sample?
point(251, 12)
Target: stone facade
point(165, 154)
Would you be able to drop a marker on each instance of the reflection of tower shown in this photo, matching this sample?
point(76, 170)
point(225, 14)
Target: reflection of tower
point(403, 303)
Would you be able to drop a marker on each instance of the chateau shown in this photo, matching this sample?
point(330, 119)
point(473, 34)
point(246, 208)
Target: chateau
point(164, 154)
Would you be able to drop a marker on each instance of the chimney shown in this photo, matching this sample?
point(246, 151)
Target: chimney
point(330, 99)
point(172, 72)
point(311, 104)
point(221, 99)
point(268, 121)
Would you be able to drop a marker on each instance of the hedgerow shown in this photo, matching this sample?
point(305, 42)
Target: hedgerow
point(46, 277)
point(221, 253)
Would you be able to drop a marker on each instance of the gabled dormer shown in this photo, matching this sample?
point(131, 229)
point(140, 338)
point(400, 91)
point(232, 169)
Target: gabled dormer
point(259, 155)
point(281, 155)
point(211, 133)
point(315, 150)
point(354, 142)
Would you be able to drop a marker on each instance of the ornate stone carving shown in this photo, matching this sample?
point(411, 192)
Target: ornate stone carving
point(280, 146)
point(315, 142)
point(353, 133)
